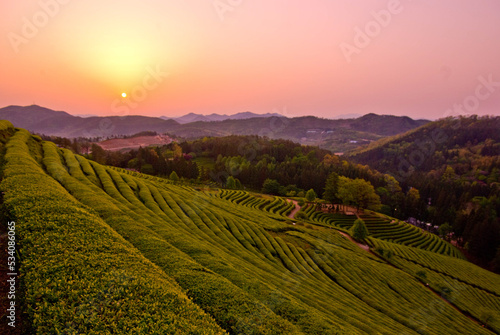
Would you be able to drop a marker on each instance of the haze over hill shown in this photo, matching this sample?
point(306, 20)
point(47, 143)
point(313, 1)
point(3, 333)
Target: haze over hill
point(193, 117)
point(336, 135)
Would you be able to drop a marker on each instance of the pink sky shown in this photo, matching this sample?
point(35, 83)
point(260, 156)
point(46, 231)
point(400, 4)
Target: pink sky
point(295, 57)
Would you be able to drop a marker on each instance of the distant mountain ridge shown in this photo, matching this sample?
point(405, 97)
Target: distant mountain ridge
point(336, 135)
point(49, 122)
point(193, 117)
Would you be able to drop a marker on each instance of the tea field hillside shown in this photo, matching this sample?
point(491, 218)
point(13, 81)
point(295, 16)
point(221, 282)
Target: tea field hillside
point(102, 250)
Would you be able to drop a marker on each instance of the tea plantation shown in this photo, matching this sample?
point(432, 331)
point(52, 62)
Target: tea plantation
point(108, 251)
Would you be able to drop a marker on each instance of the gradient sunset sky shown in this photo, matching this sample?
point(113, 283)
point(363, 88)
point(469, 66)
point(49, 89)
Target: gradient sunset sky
point(317, 57)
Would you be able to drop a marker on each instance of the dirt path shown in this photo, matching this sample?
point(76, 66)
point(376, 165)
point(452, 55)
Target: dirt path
point(362, 246)
point(295, 210)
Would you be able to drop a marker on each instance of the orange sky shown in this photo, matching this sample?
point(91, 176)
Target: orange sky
point(424, 59)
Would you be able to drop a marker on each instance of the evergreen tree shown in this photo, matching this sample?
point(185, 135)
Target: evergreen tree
point(230, 183)
point(358, 230)
point(311, 195)
point(271, 186)
point(332, 188)
point(174, 177)
point(237, 184)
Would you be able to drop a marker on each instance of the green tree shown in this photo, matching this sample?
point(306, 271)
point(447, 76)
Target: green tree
point(448, 174)
point(392, 184)
point(358, 192)
point(177, 150)
point(147, 169)
point(133, 163)
point(412, 200)
point(231, 183)
point(174, 177)
point(365, 195)
point(358, 230)
point(271, 186)
point(98, 154)
point(311, 195)
point(300, 215)
point(331, 188)
point(329, 160)
point(394, 195)
point(444, 230)
point(345, 192)
point(237, 184)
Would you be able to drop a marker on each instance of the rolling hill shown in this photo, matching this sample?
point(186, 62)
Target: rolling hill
point(104, 250)
point(336, 135)
point(434, 145)
point(46, 121)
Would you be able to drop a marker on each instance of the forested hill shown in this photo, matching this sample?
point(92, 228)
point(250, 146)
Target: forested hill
point(455, 165)
point(450, 141)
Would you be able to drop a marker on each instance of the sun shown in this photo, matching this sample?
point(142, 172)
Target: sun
point(124, 95)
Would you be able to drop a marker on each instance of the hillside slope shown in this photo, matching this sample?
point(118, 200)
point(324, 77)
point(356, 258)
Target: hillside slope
point(432, 146)
point(110, 251)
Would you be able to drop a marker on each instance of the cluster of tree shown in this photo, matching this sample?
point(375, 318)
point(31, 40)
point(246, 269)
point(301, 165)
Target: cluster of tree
point(355, 192)
point(80, 145)
point(455, 165)
point(157, 161)
point(272, 186)
point(281, 167)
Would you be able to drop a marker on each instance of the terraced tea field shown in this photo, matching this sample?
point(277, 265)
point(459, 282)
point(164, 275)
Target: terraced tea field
point(389, 230)
point(108, 251)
